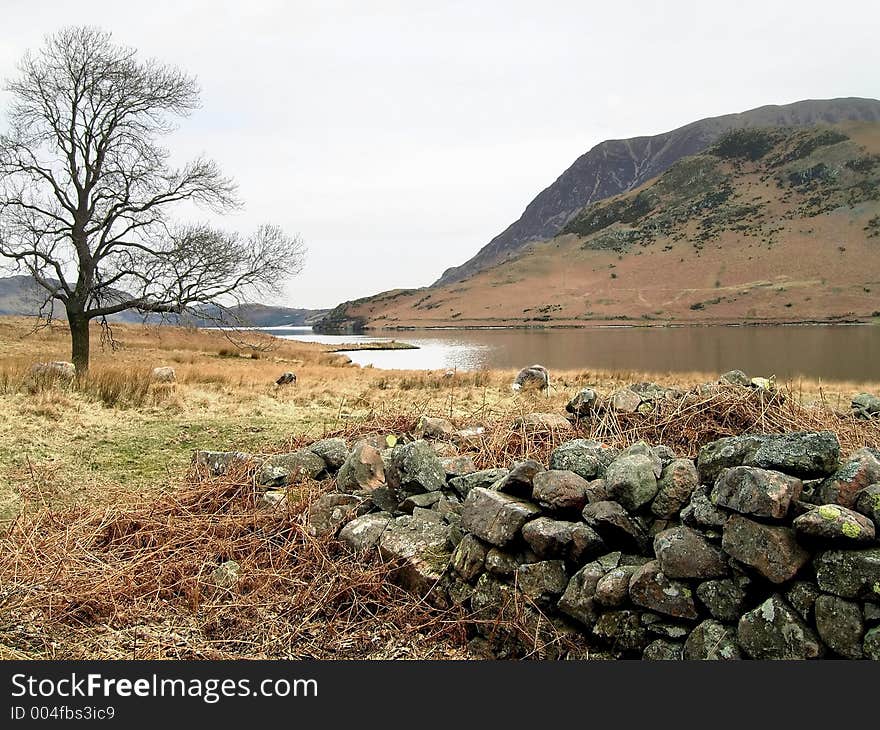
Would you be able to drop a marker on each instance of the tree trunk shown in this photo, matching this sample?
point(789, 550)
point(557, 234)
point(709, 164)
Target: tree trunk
point(79, 340)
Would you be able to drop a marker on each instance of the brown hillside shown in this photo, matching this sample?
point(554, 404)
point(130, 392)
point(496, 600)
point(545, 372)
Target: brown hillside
point(779, 224)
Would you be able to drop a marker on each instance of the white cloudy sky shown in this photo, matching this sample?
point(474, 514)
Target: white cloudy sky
point(398, 137)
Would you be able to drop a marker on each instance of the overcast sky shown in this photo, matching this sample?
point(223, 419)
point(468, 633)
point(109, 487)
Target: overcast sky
point(397, 138)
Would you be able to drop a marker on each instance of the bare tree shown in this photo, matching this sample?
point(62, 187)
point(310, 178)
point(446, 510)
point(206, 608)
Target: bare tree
point(86, 193)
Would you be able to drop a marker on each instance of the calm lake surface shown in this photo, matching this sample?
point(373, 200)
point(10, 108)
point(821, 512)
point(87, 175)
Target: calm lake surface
point(831, 352)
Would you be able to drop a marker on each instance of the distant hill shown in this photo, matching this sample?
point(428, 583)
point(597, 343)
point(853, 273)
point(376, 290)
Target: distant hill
point(615, 166)
point(769, 224)
point(20, 295)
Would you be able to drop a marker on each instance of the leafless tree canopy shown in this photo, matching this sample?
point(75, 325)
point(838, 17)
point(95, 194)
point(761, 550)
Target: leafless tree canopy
point(87, 191)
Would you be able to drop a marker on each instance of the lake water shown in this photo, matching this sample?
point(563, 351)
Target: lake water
point(831, 352)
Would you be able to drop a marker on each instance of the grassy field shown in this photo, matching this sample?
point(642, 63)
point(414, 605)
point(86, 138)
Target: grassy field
point(116, 433)
point(109, 538)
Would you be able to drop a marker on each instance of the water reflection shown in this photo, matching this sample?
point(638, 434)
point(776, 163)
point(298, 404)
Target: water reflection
point(833, 352)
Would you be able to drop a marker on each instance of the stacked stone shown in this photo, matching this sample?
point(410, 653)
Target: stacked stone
point(763, 547)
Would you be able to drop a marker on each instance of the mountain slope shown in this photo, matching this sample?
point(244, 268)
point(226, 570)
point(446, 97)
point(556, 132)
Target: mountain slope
point(767, 225)
point(615, 166)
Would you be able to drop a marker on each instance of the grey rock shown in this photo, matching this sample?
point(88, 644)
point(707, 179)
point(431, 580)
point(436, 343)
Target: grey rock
point(806, 455)
point(429, 427)
point(622, 630)
point(363, 469)
point(850, 573)
point(612, 590)
point(665, 454)
point(560, 491)
point(226, 574)
point(496, 517)
point(631, 480)
point(415, 468)
point(330, 512)
point(584, 402)
point(774, 631)
point(578, 600)
point(542, 580)
point(425, 500)
point(626, 400)
point(549, 538)
point(832, 522)
point(662, 626)
point(840, 626)
point(469, 558)
point(421, 550)
point(801, 596)
point(868, 504)
point(754, 491)
point(501, 563)
point(861, 470)
point(334, 452)
point(700, 512)
point(865, 405)
point(711, 641)
point(871, 644)
point(771, 550)
point(614, 525)
point(685, 553)
point(662, 650)
point(724, 599)
point(533, 423)
point(586, 544)
point(596, 491)
point(650, 588)
point(736, 377)
point(484, 479)
point(458, 466)
point(281, 470)
point(220, 463)
point(588, 459)
point(363, 533)
point(677, 482)
point(519, 480)
point(871, 612)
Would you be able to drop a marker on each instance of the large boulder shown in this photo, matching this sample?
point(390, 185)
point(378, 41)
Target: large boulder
point(282, 469)
point(774, 631)
point(578, 600)
point(362, 469)
point(754, 491)
point(677, 483)
point(650, 588)
point(560, 491)
point(807, 455)
point(496, 517)
point(771, 550)
point(833, 522)
point(685, 553)
point(861, 470)
point(415, 467)
point(850, 573)
point(421, 550)
point(840, 625)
